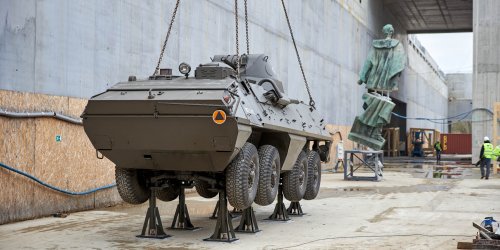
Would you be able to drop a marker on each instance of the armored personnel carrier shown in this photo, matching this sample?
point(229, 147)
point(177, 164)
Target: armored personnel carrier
point(231, 127)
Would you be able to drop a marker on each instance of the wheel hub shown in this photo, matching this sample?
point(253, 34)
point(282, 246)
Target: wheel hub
point(251, 175)
point(302, 175)
point(316, 175)
point(273, 176)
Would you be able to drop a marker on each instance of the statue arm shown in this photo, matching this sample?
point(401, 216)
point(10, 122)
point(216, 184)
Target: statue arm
point(365, 71)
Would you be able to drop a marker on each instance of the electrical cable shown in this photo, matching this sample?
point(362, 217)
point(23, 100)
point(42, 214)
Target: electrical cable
point(451, 117)
point(376, 236)
point(53, 187)
point(446, 120)
point(337, 132)
point(40, 114)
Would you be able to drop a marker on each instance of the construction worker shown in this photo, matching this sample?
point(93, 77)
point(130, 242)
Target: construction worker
point(437, 147)
point(485, 155)
point(496, 152)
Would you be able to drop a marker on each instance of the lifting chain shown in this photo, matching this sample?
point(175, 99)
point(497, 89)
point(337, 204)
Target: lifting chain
point(166, 38)
point(246, 26)
point(237, 40)
point(311, 101)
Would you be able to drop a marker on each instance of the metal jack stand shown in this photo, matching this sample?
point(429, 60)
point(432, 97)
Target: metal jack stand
point(280, 213)
point(216, 210)
point(248, 223)
point(224, 231)
point(340, 163)
point(235, 213)
point(181, 218)
point(295, 209)
point(152, 223)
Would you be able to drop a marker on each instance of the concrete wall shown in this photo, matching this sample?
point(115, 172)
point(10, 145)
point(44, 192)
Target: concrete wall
point(460, 93)
point(79, 48)
point(486, 70)
point(460, 100)
point(423, 89)
point(71, 50)
point(459, 86)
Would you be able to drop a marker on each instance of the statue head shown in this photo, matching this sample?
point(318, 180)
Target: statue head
point(388, 30)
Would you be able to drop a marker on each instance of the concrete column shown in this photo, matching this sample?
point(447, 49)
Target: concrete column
point(486, 71)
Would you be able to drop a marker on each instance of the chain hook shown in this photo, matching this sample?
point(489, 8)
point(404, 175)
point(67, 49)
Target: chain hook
point(312, 103)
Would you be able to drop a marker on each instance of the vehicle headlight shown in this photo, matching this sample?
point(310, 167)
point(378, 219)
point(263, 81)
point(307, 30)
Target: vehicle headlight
point(184, 68)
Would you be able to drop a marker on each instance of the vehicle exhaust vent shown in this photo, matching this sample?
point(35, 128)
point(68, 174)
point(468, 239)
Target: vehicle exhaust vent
point(212, 71)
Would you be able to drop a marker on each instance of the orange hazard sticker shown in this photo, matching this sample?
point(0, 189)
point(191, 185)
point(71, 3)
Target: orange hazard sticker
point(219, 116)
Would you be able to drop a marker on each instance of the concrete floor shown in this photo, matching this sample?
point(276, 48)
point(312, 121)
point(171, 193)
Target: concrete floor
point(406, 210)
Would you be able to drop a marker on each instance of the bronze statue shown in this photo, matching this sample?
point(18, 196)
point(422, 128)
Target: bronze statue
point(381, 73)
point(384, 64)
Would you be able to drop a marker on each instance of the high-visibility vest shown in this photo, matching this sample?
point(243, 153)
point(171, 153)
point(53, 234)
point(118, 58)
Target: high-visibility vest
point(437, 146)
point(496, 152)
point(488, 150)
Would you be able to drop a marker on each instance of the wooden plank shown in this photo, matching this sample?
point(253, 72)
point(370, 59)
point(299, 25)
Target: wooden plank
point(464, 245)
point(483, 231)
point(391, 147)
point(409, 145)
point(16, 150)
point(485, 244)
point(480, 228)
point(30, 145)
point(485, 235)
point(340, 134)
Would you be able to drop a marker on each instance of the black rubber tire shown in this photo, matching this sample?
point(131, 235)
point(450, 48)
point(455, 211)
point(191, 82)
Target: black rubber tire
point(313, 175)
point(269, 175)
point(242, 177)
point(131, 186)
point(168, 194)
point(203, 189)
point(295, 180)
point(324, 153)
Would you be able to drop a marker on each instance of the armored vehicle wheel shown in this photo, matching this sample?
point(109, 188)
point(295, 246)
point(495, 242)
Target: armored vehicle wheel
point(242, 177)
point(313, 175)
point(295, 180)
point(131, 186)
point(202, 187)
point(168, 194)
point(269, 175)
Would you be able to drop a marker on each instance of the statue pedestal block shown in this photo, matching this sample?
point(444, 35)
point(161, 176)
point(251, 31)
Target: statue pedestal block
point(367, 141)
point(364, 134)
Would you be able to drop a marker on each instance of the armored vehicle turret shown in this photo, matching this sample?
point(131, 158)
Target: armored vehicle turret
point(215, 130)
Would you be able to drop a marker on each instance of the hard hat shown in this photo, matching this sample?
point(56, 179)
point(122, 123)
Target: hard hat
point(486, 138)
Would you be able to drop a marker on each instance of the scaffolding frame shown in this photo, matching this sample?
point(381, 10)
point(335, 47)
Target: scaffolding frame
point(430, 139)
point(391, 136)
